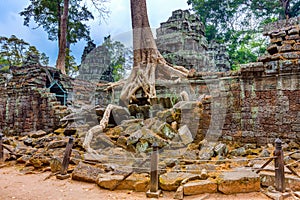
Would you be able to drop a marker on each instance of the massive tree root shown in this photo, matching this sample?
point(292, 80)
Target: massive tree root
point(144, 77)
point(99, 128)
point(149, 65)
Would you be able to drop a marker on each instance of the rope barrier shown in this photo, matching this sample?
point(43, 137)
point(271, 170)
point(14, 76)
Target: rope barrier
point(291, 164)
point(291, 153)
point(114, 160)
point(216, 170)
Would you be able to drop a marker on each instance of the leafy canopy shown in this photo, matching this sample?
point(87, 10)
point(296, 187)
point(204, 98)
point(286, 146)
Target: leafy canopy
point(238, 23)
point(17, 52)
point(47, 14)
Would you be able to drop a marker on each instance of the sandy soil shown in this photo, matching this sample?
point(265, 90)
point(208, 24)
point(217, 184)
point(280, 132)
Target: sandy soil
point(15, 185)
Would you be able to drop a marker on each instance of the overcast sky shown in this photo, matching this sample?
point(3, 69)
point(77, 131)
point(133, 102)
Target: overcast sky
point(118, 24)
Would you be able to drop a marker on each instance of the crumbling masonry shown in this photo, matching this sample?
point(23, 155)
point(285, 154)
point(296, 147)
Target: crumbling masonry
point(256, 104)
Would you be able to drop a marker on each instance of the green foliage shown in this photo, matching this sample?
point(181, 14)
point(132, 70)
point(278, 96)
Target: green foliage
point(4, 65)
point(238, 22)
point(4, 69)
point(17, 52)
point(47, 14)
point(71, 65)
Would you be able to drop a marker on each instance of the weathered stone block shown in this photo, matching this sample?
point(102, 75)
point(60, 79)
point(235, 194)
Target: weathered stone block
point(268, 179)
point(291, 55)
point(185, 135)
point(86, 173)
point(239, 182)
point(200, 187)
point(293, 31)
point(172, 180)
point(134, 182)
point(278, 34)
point(292, 37)
point(285, 48)
point(296, 47)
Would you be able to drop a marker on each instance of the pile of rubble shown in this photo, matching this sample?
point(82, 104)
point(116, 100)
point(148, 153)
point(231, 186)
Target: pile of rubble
point(189, 164)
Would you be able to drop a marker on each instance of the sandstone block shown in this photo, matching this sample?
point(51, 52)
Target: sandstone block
point(136, 182)
point(200, 187)
point(56, 144)
point(185, 135)
point(292, 37)
point(278, 34)
point(285, 48)
point(86, 173)
point(37, 134)
point(293, 31)
point(268, 179)
point(171, 181)
point(239, 182)
point(296, 47)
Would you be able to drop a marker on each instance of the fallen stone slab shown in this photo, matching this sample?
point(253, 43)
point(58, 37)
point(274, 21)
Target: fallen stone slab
point(135, 182)
point(200, 187)
point(185, 135)
point(268, 179)
point(172, 180)
point(37, 134)
point(56, 144)
point(86, 173)
point(241, 181)
point(277, 195)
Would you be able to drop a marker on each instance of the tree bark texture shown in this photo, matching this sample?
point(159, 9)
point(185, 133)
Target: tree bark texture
point(149, 64)
point(60, 63)
point(286, 7)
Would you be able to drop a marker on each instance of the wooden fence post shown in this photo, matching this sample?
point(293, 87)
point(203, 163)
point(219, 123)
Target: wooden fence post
point(1, 148)
point(279, 166)
point(154, 192)
point(67, 156)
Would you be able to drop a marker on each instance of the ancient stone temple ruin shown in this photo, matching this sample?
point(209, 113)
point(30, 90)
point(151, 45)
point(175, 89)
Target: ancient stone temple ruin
point(212, 128)
point(218, 55)
point(36, 98)
point(95, 66)
point(181, 40)
point(256, 104)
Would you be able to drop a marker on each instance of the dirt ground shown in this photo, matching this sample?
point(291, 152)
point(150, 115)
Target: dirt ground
point(15, 185)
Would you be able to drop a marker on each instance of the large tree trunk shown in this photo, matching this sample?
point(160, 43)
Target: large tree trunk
point(60, 63)
point(149, 64)
point(286, 8)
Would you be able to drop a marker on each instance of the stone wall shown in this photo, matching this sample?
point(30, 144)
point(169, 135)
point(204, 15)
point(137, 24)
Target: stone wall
point(27, 104)
point(256, 104)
